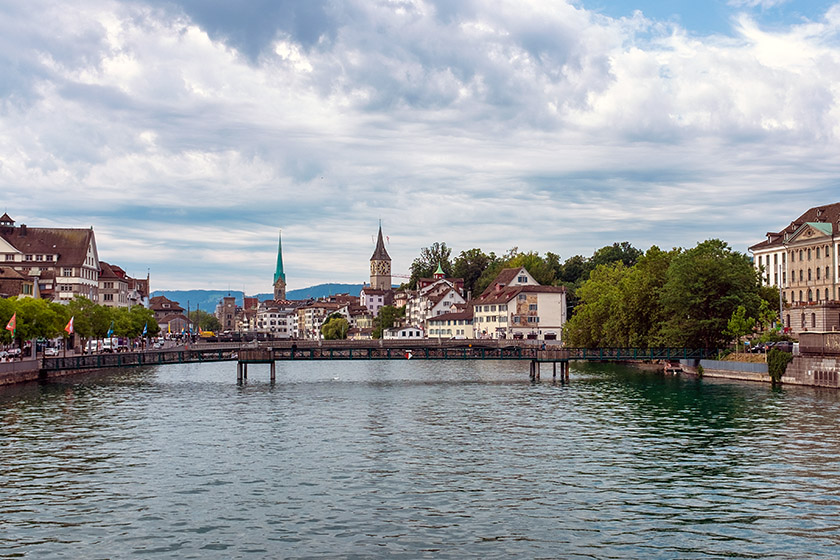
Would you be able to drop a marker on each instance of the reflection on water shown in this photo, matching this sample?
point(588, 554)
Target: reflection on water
point(416, 459)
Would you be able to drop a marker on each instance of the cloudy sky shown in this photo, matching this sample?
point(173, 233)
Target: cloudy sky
point(187, 132)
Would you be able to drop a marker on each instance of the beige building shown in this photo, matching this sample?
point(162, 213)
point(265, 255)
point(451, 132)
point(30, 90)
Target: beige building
point(801, 260)
point(63, 262)
point(451, 325)
point(515, 305)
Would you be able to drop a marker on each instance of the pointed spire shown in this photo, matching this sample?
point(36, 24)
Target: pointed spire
point(439, 273)
point(380, 254)
point(278, 272)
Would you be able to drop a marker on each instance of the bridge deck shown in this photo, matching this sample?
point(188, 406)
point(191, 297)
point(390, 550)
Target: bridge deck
point(393, 350)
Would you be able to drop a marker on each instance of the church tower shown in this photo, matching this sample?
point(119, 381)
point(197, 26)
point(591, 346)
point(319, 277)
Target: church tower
point(380, 266)
point(279, 275)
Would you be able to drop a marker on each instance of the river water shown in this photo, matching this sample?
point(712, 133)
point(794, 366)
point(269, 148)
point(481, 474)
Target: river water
point(416, 459)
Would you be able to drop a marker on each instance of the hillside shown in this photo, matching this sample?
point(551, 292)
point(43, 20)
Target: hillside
point(206, 300)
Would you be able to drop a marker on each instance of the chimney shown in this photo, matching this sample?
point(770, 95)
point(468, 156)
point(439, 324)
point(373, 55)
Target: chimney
point(23, 230)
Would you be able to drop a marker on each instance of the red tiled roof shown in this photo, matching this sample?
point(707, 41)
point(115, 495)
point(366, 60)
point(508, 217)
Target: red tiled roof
point(70, 245)
point(827, 214)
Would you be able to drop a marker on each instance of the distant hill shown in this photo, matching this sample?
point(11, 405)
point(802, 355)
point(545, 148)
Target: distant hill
point(206, 300)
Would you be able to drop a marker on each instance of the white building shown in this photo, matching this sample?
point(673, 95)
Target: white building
point(515, 305)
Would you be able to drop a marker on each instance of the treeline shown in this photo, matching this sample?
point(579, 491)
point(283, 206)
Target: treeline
point(622, 297)
point(478, 268)
point(38, 318)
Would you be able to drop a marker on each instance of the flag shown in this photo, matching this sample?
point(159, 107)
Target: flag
point(110, 330)
point(12, 323)
point(69, 327)
point(145, 328)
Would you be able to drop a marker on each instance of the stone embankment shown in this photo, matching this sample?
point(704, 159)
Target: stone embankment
point(816, 365)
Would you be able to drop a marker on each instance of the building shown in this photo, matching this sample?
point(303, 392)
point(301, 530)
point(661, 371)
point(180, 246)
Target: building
point(163, 307)
point(801, 261)
point(113, 287)
point(515, 305)
point(226, 313)
point(433, 297)
point(458, 324)
point(402, 333)
point(374, 299)
point(279, 275)
point(380, 266)
point(65, 261)
point(13, 284)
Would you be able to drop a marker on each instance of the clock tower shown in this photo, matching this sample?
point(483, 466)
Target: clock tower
point(380, 266)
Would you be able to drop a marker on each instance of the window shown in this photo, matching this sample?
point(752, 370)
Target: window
point(49, 257)
point(39, 257)
point(803, 320)
point(810, 295)
point(800, 260)
point(809, 275)
point(521, 297)
point(813, 320)
point(67, 272)
point(809, 254)
point(515, 318)
point(800, 275)
point(826, 294)
point(532, 307)
point(108, 297)
point(826, 273)
point(776, 260)
point(818, 252)
point(29, 257)
point(818, 274)
point(10, 257)
point(522, 279)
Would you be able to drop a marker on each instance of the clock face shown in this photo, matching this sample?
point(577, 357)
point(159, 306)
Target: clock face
point(379, 268)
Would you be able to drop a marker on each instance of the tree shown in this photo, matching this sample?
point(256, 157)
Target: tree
point(386, 318)
point(592, 325)
point(542, 269)
point(470, 265)
point(425, 265)
point(205, 321)
point(704, 286)
point(335, 327)
point(739, 325)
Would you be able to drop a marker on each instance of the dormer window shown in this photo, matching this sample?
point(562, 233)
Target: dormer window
point(523, 279)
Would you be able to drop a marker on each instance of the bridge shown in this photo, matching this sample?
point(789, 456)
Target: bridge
point(308, 350)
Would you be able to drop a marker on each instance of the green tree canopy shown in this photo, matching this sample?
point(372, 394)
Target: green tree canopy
point(704, 286)
point(335, 327)
point(386, 318)
point(470, 265)
point(425, 265)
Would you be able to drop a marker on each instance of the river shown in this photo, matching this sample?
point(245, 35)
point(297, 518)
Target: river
point(414, 459)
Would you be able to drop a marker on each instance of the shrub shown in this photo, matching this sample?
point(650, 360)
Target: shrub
point(777, 362)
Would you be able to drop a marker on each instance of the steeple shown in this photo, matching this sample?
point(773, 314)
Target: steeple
point(380, 254)
point(380, 265)
point(439, 273)
point(279, 275)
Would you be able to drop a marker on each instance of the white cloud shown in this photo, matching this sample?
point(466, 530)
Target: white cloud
point(539, 125)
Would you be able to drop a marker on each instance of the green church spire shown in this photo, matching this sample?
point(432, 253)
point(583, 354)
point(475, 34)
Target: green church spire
point(278, 272)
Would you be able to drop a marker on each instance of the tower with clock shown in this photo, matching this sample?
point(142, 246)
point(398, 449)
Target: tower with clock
point(380, 266)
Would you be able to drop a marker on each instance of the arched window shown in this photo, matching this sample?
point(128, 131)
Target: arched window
point(800, 294)
point(826, 294)
point(827, 273)
point(813, 320)
point(810, 295)
point(787, 320)
point(818, 273)
point(827, 250)
point(803, 320)
point(809, 254)
point(809, 275)
point(800, 275)
point(818, 252)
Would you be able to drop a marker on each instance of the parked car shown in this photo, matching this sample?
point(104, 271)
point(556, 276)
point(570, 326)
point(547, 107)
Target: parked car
point(783, 345)
point(50, 351)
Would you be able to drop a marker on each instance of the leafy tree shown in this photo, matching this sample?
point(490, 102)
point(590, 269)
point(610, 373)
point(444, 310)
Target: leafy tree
point(7, 309)
point(704, 286)
point(386, 318)
point(542, 269)
point(35, 319)
point(470, 265)
point(335, 327)
point(739, 325)
point(425, 265)
point(592, 325)
point(622, 252)
point(205, 321)
point(638, 313)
